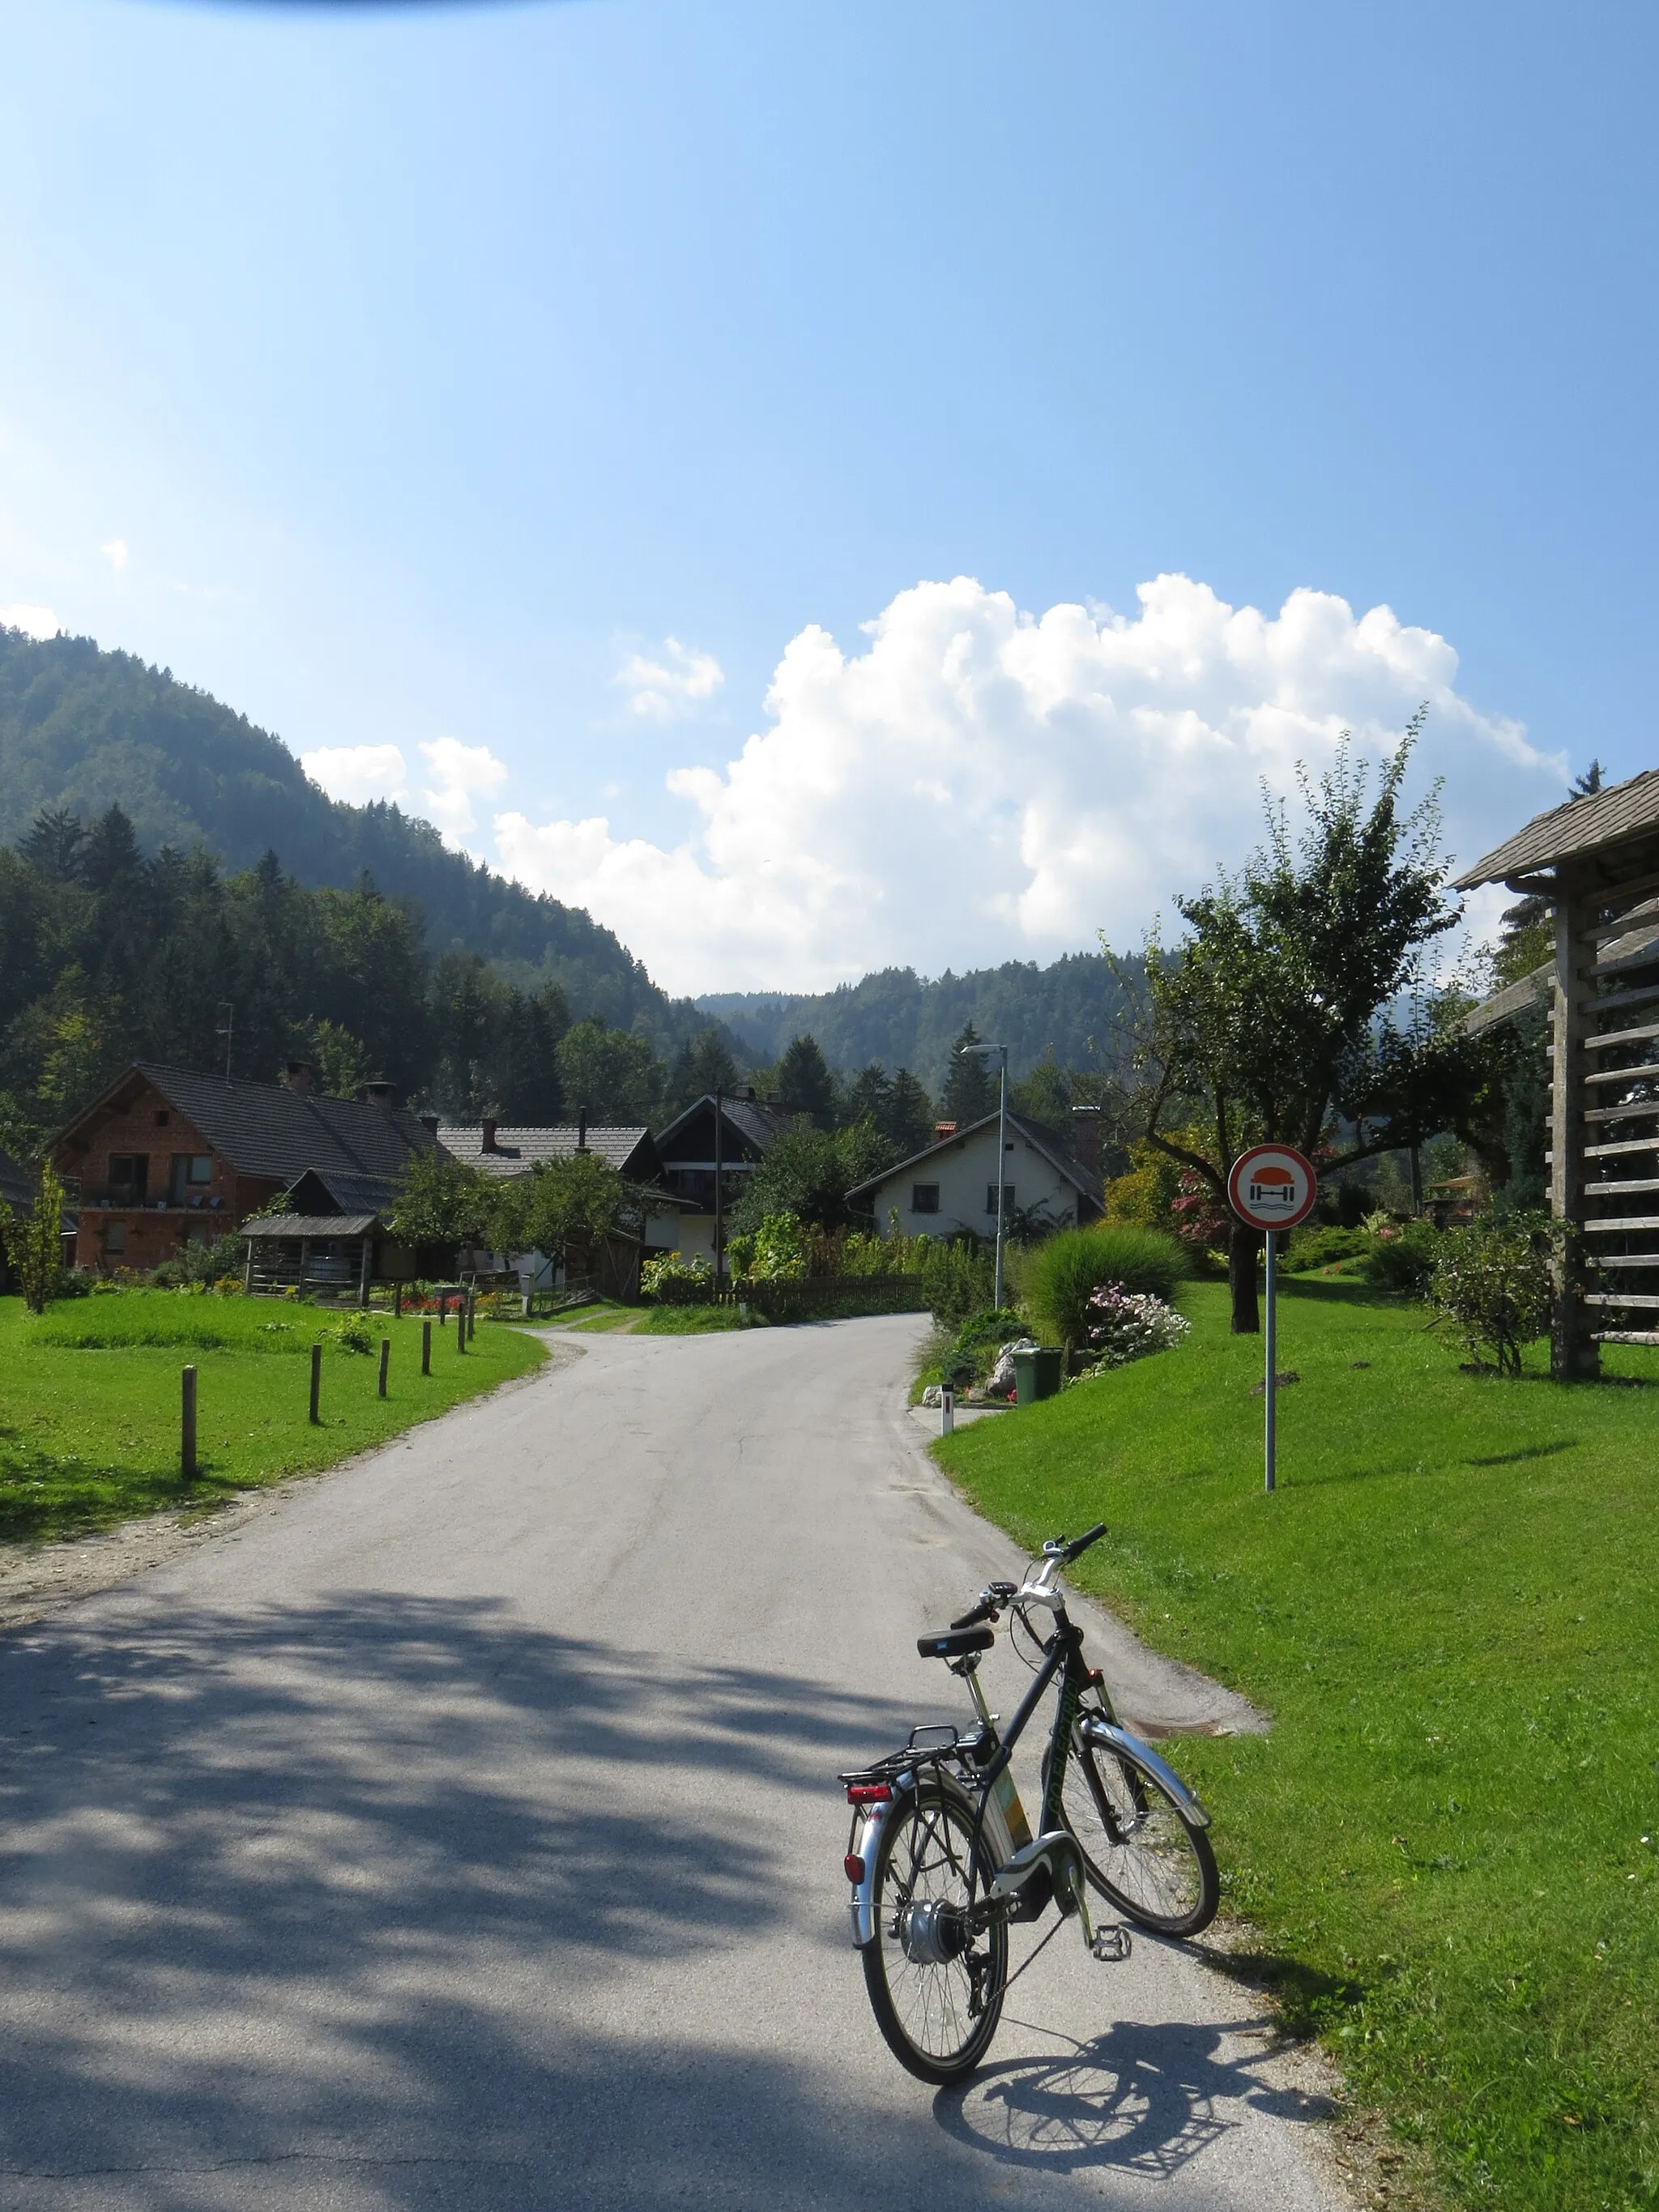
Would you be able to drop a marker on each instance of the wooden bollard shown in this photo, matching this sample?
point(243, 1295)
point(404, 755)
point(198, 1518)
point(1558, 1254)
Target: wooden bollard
point(471, 1315)
point(460, 1325)
point(426, 1348)
point(397, 1302)
point(316, 1385)
point(443, 1309)
point(385, 1361)
point(187, 1426)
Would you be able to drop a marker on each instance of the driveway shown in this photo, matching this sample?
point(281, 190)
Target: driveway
point(463, 1832)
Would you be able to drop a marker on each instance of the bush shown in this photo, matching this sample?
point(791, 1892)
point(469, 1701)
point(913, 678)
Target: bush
point(1325, 1247)
point(1058, 1278)
point(676, 1279)
point(955, 1279)
point(1402, 1256)
point(1493, 1280)
point(1125, 1325)
point(352, 1333)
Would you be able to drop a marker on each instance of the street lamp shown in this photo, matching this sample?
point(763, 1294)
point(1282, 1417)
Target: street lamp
point(985, 1054)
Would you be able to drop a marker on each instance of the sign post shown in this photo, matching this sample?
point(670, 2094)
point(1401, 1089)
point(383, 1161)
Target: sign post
point(1272, 1187)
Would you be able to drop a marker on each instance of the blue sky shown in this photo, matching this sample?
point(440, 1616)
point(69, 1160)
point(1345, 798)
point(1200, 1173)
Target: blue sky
point(421, 374)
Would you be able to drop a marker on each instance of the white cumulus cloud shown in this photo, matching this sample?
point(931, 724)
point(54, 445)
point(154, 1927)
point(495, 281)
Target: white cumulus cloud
point(459, 775)
point(978, 784)
point(35, 622)
point(356, 774)
point(660, 685)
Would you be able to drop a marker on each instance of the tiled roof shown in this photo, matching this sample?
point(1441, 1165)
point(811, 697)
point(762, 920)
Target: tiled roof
point(758, 1123)
point(1035, 1133)
point(265, 1225)
point(350, 1194)
point(629, 1150)
point(1620, 813)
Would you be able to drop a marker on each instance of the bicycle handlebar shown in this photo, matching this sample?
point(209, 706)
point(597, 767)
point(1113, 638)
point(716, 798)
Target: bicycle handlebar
point(1058, 1548)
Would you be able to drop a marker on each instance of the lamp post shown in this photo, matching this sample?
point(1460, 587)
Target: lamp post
point(984, 1054)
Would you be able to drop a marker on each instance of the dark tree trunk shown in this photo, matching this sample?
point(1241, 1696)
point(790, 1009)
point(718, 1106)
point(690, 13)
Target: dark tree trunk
point(1243, 1245)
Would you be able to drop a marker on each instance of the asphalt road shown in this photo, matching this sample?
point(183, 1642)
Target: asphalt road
point(463, 1833)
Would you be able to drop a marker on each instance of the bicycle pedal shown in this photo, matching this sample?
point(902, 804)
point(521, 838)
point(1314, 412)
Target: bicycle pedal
point(1111, 1945)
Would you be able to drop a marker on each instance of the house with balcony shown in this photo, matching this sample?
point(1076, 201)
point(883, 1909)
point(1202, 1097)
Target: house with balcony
point(165, 1155)
point(714, 1141)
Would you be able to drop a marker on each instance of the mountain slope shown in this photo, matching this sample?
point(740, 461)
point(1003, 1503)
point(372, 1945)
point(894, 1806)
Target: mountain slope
point(904, 1021)
point(84, 729)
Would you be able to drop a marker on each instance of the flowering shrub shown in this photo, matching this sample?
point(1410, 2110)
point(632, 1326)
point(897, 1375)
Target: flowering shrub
point(1124, 1325)
point(1493, 1280)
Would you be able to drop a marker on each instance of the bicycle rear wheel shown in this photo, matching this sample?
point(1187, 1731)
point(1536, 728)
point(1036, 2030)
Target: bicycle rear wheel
point(1139, 1850)
point(935, 1987)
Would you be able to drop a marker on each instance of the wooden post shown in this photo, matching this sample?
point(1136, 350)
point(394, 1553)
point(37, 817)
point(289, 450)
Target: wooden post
point(1574, 1354)
point(471, 1314)
point(426, 1348)
point(385, 1361)
point(187, 1426)
point(397, 1301)
point(460, 1325)
point(316, 1385)
point(362, 1273)
point(247, 1271)
point(443, 1309)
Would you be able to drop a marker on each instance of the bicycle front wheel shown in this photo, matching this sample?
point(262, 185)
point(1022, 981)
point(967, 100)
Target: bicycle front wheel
point(1139, 1850)
point(936, 1985)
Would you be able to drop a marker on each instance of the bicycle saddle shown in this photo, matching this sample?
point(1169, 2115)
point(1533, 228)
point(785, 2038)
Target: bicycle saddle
point(955, 1643)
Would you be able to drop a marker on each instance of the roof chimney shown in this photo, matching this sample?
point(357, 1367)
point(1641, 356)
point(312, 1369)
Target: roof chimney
point(429, 1123)
point(489, 1142)
point(299, 1076)
point(945, 1128)
point(381, 1095)
point(1085, 1137)
point(582, 1128)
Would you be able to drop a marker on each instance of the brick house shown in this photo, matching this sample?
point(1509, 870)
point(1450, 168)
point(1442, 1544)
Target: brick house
point(165, 1155)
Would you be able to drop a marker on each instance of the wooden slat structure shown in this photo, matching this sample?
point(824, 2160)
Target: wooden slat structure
point(1596, 861)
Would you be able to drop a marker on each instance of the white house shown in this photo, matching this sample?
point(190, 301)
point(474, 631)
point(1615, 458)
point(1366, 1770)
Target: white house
point(953, 1185)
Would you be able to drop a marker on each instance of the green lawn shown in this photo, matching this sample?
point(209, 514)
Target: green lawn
point(1446, 1847)
point(90, 1396)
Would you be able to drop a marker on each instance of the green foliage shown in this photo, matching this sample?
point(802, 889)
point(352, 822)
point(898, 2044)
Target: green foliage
point(897, 1105)
point(774, 1252)
point(611, 1072)
point(957, 1279)
point(675, 1277)
point(1400, 1256)
point(353, 1333)
point(1057, 1279)
point(695, 1321)
point(703, 1064)
point(808, 1173)
point(441, 1200)
point(804, 1084)
point(34, 1240)
point(202, 1262)
point(1492, 1279)
point(970, 1090)
point(581, 1199)
point(1311, 1247)
point(339, 1061)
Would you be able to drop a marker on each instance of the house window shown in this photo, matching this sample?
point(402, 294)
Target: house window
point(162, 1117)
point(191, 1171)
point(924, 1198)
point(128, 1175)
point(115, 1237)
point(1008, 1198)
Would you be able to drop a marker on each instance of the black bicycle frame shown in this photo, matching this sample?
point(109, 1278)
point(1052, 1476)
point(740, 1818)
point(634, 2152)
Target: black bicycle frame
point(1064, 1657)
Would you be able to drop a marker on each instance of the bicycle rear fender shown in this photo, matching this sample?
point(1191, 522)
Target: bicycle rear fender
point(1110, 1736)
point(997, 1842)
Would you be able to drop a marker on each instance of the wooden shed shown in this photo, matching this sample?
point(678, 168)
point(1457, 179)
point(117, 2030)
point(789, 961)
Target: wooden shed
point(1596, 861)
point(312, 1252)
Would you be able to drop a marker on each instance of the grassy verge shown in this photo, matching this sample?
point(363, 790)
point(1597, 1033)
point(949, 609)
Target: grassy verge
point(1448, 1843)
point(694, 1321)
point(89, 1409)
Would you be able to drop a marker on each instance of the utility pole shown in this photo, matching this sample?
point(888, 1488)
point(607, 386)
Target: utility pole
point(720, 1256)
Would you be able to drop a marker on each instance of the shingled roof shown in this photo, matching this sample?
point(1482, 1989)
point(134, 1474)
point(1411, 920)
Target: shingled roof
point(516, 1152)
point(268, 1129)
point(1040, 1138)
point(1621, 814)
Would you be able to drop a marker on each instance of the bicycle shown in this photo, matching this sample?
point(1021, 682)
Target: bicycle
point(940, 1855)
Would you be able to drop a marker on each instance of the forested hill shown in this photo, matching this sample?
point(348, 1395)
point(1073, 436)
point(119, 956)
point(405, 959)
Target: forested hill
point(904, 1021)
point(83, 729)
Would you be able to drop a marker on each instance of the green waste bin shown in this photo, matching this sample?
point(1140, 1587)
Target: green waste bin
point(1037, 1375)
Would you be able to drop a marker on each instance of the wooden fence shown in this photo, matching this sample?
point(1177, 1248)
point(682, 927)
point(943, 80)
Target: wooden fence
point(813, 1298)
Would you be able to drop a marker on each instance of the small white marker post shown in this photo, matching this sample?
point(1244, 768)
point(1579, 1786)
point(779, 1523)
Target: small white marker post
point(1272, 1187)
point(947, 1413)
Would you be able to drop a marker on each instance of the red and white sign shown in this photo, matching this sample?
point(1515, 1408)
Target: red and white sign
point(1272, 1187)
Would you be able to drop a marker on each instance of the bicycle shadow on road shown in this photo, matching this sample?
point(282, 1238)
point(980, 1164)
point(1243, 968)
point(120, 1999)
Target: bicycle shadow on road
point(1144, 2098)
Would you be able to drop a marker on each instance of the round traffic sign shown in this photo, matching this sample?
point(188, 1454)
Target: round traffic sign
point(1272, 1187)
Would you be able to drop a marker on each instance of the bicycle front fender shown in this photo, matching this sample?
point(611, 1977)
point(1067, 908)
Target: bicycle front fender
point(1109, 1735)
